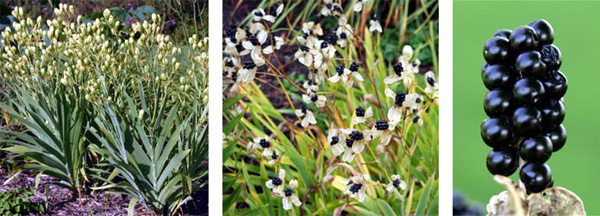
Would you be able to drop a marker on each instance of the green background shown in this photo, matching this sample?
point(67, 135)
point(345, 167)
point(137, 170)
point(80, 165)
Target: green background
point(576, 33)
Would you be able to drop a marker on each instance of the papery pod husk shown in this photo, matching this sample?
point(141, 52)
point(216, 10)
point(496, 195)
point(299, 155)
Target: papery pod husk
point(552, 201)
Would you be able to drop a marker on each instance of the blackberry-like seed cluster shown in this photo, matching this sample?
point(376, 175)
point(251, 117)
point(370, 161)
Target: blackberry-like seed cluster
point(356, 135)
point(400, 97)
point(253, 39)
point(431, 81)
point(396, 183)
point(274, 155)
point(335, 140)
point(304, 48)
point(314, 98)
point(340, 70)
point(303, 108)
point(229, 63)
point(273, 10)
point(324, 44)
point(288, 192)
point(264, 143)
point(354, 67)
point(398, 69)
point(349, 143)
point(249, 64)
point(524, 103)
point(360, 111)
point(276, 181)
point(355, 188)
point(382, 125)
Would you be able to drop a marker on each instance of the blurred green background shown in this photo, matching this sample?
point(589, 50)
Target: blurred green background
point(577, 30)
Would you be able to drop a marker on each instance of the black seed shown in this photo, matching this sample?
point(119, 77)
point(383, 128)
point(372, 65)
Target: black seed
point(349, 143)
point(350, 182)
point(264, 143)
point(418, 100)
point(274, 10)
point(303, 108)
point(356, 135)
point(258, 14)
point(234, 75)
point(328, 6)
point(355, 188)
point(382, 125)
point(335, 140)
point(400, 97)
point(396, 183)
point(305, 35)
point(354, 67)
point(332, 37)
point(343, 35)
point(254, 40)
point(288, 192)
point(431, 81)
point(398, 69)
point(239, 47)
point(360, 112)
point(274, 155)
point(276, 181)
point(314, 98)
point(416, 119)
point(375, 18)
point(304, 48)
point(340, 69)
point(229, 63)
point(338, 8)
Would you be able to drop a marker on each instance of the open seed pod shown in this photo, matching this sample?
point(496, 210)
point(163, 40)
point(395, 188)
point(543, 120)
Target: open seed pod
point(552, 201)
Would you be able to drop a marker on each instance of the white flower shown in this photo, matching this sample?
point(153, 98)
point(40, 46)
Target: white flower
point(248, 71)
point(395, 113)
point(374, 24)
point(336, 140)
point(261, 143)
point(259, 14)
point(276, 183)
point(362, 115)
point(308, 116)
point(230, 65)
point(304, 56)
point(413, 102)
point(312, 97)
point(312, 28)
point(275, 156)
point(359, 5)
point(396, 183)
point(289, 197)
point(277, 42)
point(344, 33)
point(317, 76)
point(326, 49)
point(404, 70)
point(331, 9)
point(308, 38)
point(354, 144)
point(310, 85)
point(254, 44)
point(382, 129)
point(356, 187)
point(235, 37)
point(432, 85)
point(346, 76)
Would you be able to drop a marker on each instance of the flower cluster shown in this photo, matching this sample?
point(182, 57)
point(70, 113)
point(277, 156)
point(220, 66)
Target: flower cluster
point(331, 77)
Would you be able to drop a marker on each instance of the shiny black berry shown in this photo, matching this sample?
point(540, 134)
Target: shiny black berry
point(349, 143)
point(555, 84)
point(553, 113)
point(264, 143)
point(504, 33)
point(528, 91)
point(288, 192)
point(535, 176)
point(523, 39)
point(551, 56)
point(335, 140)
point(497, 133)
point(304, 48)
point(276, 181)
point(400, 97)
point(355, 188)
point(530, 63)
point(498, 76)
point(360, 112)
point(527, 121)
point(497, 102)
point(340, 69)
point(249, 64)
point(496, 50)
point(502, 161)
point(544, 31)
point(398, 69)
point(536, 149)
point(558, 136)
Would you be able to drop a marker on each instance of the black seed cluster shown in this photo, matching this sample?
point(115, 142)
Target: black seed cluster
point(400, 97)
point(276, 181)
point(229, 63)
point(274, 155)
point(524, 102)
point(340, 69)
point(249, 64)
point(416, 119)
point(254, 40)
point(354, 67)
point(356, 135)
point(264, 143)
point(431, 81)
point(349, 143)
point(303, 108)
point(324, 44)
point(288, 192)
point(375, 18)
point(398, 69)
point(314, 98)
point(382, 125)
point(360, 112)
point(338, 8)
point(332, 38)
point(258, 13)
point(304, 48)
point(335, 140)
point(239, 48)
point(231, 34)
point(355, 188)
point(234, 75)
point(396, 183)
point(273, 11)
